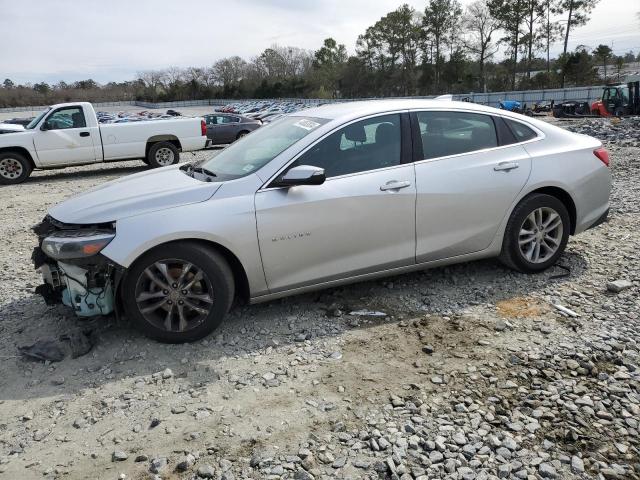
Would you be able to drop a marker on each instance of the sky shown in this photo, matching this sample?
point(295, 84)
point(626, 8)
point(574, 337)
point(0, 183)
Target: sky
point(112, 40)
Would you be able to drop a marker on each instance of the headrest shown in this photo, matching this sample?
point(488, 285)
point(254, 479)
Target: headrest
point(78, 120)
point(355, 133)
point(386, 133)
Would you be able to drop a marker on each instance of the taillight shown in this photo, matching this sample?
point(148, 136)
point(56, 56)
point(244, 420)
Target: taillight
point(603, 155)
point(203, 128)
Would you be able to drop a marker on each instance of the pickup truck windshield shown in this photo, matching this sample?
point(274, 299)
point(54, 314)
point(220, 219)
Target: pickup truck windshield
point(36, 120)
point(260, 147)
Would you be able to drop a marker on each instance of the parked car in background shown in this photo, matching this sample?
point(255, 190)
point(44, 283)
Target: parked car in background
point(223, 128)
point(271, 117)
point(19, 121)
point(10, 128)
point(69, 134)
point(320, 198)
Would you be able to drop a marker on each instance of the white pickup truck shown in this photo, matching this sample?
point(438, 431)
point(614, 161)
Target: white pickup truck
point(69, 134)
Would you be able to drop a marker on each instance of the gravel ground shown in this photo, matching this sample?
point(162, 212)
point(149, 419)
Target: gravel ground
point(470, 374)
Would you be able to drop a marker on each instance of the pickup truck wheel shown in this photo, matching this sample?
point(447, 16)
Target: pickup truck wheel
point(14, 168)
point(179, 292)
point(163, 154)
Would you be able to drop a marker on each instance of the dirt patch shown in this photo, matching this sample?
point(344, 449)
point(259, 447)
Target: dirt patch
point(521, 307)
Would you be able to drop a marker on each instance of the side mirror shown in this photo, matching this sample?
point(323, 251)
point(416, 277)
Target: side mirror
point(302, 175)
point(45, 126)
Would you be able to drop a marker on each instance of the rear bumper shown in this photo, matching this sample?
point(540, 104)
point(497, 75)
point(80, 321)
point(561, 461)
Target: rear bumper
point(602, 219)
point(191, 144)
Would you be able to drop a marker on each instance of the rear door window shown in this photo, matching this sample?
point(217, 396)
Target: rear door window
point(452, 133)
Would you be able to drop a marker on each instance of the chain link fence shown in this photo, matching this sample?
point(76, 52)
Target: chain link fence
point(582, 94)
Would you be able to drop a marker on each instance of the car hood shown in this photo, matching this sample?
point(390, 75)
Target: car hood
point(134, 195)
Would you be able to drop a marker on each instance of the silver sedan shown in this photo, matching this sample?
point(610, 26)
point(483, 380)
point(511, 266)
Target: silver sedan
point(331, 195)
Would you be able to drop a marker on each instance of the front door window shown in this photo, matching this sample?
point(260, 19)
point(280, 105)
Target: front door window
point(366, 145)
point(64, 118)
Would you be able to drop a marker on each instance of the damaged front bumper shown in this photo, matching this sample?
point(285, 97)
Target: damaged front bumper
point(88, 284)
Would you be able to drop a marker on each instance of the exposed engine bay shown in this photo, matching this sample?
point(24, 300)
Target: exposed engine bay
point(74, 272)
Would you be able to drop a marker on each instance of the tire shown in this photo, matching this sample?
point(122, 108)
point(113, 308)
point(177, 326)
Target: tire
point(550, 243)
point(14, 168)
point(163, 154)
point(154, 305)
point(243, 133)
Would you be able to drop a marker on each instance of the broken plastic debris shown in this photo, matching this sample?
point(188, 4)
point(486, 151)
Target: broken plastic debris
point(71, 345)
point(368, 313)
point(566, 311)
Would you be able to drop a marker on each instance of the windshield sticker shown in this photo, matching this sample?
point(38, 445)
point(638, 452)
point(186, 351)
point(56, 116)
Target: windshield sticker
point(306, 124)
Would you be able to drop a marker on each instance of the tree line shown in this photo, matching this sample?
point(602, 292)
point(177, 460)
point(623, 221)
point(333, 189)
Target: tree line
point(441, 49)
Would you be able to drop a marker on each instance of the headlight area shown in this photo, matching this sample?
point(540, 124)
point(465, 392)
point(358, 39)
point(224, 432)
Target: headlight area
point(73, 270)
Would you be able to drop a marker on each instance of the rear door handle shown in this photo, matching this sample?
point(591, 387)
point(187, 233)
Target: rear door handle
point(84, 134)
point(506, 166)
point(394, 185)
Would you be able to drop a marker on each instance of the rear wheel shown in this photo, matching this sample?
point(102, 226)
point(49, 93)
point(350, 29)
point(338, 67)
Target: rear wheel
point(163, 154)
point(536, 234)
point(14, 168)
point(178, 292)
point(244, 133)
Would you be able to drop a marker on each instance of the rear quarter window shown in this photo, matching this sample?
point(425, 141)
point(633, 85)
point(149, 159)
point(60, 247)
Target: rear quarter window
point(521, 131)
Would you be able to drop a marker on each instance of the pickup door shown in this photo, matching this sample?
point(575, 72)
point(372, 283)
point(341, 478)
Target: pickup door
point(64, 138)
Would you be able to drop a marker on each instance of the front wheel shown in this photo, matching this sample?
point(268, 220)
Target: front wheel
point(162, 154)
point(536, 234)
point(179, 292)
point(14, 168)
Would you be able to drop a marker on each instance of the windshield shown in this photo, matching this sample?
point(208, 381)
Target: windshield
point(260, 147)
point(36, 120)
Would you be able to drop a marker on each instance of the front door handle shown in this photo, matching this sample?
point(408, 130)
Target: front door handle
point(84, 134)
point(506, 166)
point(394, 185)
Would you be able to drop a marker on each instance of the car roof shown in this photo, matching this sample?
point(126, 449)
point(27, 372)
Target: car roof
point(336, 111)
point(344, 112)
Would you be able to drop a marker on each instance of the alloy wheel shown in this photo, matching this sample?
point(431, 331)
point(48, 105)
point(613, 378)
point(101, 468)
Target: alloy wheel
point(174, 295)
point(164, 156)
point(540, 235)
point(10, 168)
